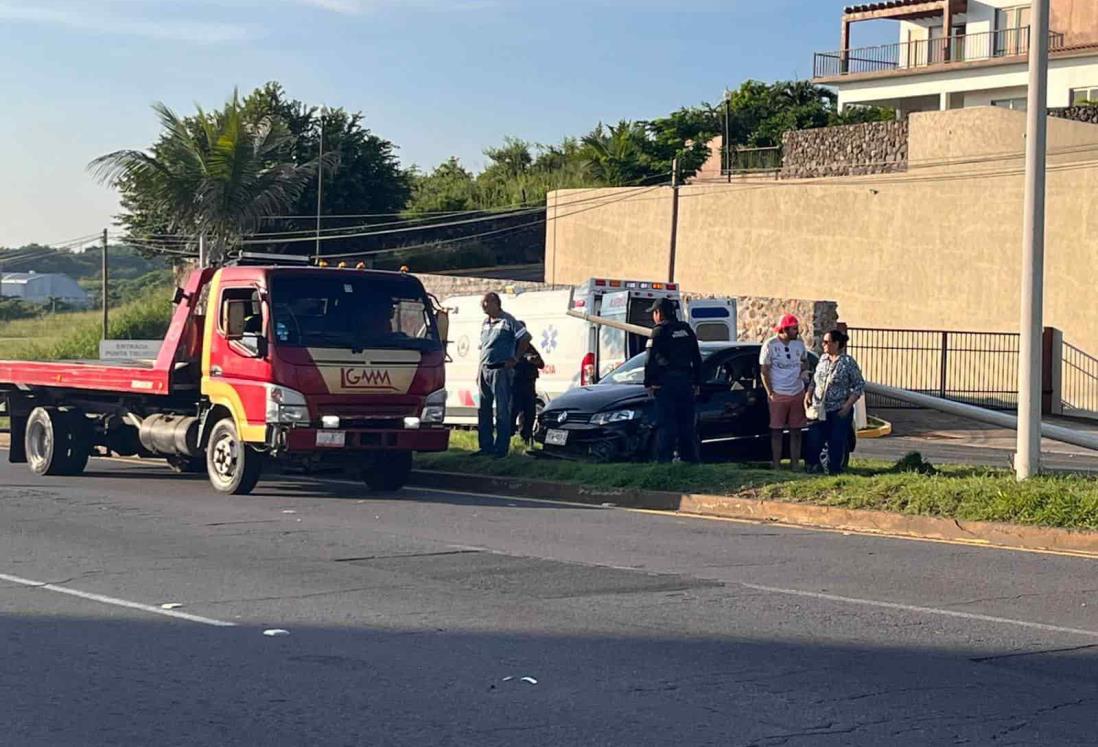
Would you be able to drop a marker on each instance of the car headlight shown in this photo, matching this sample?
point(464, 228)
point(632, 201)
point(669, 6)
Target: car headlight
point(614, 416)
point(286, 405)
point(434, 408)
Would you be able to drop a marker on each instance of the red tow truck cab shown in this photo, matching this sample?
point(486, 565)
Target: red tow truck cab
point(299, 365)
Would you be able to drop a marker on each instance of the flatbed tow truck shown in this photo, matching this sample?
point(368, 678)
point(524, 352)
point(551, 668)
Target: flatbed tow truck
point(307, 367)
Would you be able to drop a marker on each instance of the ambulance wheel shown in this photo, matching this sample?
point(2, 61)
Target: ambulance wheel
point(232, 465)
point(57, 442)
point(390, 471)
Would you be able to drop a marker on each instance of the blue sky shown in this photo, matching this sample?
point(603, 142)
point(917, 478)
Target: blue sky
point(437, 77)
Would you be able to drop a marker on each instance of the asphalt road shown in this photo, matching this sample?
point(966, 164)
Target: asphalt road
point(414, 617)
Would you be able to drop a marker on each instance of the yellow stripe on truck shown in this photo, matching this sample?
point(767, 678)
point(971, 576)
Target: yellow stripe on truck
point(222, 392)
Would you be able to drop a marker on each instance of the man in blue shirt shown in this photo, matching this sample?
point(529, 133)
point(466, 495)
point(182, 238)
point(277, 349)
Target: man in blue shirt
point(503, 341)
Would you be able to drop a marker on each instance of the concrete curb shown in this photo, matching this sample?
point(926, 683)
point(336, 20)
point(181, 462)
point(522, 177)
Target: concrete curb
point(880, 431)
point(991, 534)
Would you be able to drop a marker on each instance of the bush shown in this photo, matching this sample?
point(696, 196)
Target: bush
point(145, 318)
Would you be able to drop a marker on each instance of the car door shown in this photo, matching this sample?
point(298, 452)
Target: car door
point(732, 405)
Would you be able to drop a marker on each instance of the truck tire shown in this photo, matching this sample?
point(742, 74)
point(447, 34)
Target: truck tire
point(80, 441)
point(390, 471)
point(232, 465)
point(56, 442)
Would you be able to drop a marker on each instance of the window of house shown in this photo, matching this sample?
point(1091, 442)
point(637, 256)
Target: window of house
point(1012, 30)
point(1017, 104)
point(1084, 96)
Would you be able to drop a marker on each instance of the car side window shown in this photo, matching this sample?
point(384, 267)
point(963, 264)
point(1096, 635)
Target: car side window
point(743, 372)
point(715, 372)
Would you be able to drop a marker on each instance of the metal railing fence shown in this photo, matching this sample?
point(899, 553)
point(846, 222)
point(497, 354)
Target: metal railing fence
point(976, 368)
point(926, 52)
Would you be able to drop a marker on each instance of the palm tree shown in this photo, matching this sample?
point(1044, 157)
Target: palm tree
point(614, 155)
point(215, 174)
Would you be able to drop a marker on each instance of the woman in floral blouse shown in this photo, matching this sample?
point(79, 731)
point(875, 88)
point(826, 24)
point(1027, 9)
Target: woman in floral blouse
point(835, 387)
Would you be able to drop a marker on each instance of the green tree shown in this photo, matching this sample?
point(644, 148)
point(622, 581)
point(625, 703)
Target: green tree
point(217, 174)
point(363, 176)
point(448, 188)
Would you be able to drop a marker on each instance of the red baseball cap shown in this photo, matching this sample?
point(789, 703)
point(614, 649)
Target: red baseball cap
point(787, 321)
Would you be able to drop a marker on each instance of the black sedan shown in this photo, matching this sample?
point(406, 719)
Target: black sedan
point(614, 420)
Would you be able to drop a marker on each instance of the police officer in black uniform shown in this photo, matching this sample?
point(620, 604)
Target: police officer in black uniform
point(672, 375)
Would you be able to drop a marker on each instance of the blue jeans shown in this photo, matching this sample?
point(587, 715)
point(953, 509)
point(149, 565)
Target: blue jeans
point(495, 390)
point(676, 420)
point(835, 434)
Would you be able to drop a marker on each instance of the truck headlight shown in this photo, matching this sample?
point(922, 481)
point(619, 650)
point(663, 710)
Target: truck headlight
point(614, 416)
point(434, 408)
point(286, 405)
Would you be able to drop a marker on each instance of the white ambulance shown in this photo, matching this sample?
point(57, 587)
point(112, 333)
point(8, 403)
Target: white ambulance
point(576, 352)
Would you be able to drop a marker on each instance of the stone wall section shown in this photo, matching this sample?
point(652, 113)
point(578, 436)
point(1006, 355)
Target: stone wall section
point(849, 150)
point(444, 286)
point(1088, 114)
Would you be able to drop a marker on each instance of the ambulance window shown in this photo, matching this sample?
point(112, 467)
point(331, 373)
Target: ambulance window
point(712, 332)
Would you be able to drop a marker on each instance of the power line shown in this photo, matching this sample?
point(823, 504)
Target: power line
point(496, 232)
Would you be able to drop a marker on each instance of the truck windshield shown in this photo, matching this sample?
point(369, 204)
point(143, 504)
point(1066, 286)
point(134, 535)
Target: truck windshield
point(352, 311)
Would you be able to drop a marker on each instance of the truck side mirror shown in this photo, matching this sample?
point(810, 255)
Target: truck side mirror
point(442, 320)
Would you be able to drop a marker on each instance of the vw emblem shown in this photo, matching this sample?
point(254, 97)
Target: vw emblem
point(562, 417)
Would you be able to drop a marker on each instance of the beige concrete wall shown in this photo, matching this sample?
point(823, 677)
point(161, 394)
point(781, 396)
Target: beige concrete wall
point(1076, 19)
point(614, 232)
point(935, 248)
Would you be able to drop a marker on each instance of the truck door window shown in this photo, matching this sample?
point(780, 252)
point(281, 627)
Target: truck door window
point(237, 319)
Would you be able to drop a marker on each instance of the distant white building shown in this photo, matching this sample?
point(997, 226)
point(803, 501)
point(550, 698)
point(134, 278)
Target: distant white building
point(953, 54)
point(42, 288)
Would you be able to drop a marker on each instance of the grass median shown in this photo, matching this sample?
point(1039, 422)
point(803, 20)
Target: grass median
point(909, 486)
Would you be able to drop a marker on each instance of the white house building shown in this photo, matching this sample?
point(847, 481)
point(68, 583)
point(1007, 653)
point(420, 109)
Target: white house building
point(952, 54)
point(42, 288)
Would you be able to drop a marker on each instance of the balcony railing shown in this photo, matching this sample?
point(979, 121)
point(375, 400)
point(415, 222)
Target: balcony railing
point(927, 52)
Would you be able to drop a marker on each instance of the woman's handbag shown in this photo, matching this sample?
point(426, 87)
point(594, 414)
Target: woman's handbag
point(818, 413)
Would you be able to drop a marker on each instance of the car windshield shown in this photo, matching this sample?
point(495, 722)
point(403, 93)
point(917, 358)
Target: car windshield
point(632, 371)
point(352, 311)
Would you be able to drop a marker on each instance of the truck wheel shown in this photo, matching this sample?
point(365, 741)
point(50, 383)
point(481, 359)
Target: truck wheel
point(232, 465)
point(56, 443)
point(80, 442)
point(389, 471)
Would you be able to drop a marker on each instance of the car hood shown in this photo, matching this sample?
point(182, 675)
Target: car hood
point(600, 397)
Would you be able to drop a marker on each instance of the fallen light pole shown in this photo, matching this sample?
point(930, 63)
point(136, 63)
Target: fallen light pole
point(1001, 419)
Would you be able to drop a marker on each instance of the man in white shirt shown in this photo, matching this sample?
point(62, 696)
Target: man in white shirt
point(784, 360)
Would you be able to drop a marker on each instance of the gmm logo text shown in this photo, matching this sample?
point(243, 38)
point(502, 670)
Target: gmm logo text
point(365, 378)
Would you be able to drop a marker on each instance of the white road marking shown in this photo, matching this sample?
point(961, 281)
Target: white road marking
point(921, 610)
point(102, 599)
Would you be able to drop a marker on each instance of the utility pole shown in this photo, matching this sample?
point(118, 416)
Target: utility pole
point(106, 284)
point(1027, 460)
point(320, 180)
point(203, 254)
point(674, 219)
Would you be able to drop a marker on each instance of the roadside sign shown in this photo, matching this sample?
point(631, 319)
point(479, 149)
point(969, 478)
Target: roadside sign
point(128, 350)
